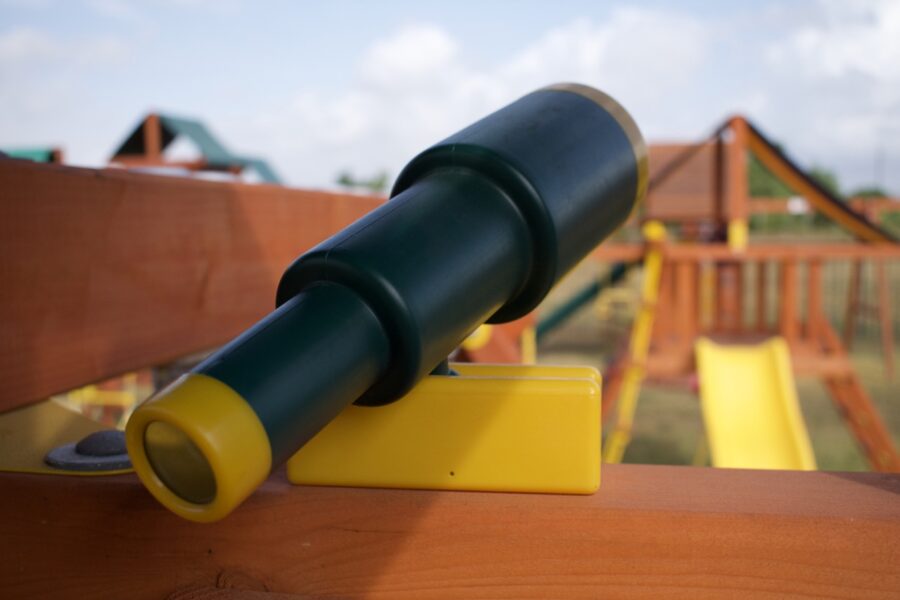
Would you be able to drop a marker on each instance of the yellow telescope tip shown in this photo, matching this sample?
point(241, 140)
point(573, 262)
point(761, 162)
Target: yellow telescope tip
point(198, 447)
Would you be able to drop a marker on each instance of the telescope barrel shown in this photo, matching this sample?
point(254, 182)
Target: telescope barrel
point(478, 229)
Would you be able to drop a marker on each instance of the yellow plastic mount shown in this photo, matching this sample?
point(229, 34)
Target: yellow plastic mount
point(510, 428)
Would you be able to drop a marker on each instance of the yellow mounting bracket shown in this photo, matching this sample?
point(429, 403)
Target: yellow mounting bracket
point(510, 428)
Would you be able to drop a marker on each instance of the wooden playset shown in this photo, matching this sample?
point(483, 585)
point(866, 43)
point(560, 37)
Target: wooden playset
point(108, 271)
point(695, 287)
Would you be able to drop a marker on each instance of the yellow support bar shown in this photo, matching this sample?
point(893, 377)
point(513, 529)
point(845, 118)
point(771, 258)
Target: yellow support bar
point(639, 345)
point(528, 346)
point(738, 235)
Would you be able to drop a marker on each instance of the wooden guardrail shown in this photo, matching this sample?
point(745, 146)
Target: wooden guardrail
point(109, 271)
point(650, 531)
point(106, 271)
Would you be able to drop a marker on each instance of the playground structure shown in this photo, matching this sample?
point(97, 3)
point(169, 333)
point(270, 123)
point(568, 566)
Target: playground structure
point(697, 287)
point(145, 145)
point(751, 532)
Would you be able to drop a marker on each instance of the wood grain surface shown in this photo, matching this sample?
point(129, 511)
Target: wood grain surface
point(106, 271)
point(651, 531)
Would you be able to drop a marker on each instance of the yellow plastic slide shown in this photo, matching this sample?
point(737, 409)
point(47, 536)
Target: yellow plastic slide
point(750, 407)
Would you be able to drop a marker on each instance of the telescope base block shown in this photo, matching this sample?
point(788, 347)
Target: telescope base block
point(499, 428)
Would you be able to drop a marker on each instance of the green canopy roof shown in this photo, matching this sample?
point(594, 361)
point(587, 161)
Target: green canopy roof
point(215, 154)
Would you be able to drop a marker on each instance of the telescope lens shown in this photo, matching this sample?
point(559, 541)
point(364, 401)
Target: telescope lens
point(178, 463)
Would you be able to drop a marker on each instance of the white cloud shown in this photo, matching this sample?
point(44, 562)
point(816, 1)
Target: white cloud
point(838, 84)
point(414, 87)
point(820, 76)
point(25, 47)
point(415, 55)
point(22, 45)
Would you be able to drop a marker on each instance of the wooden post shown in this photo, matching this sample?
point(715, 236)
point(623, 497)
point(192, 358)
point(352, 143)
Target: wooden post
point(686, 301)
point(152, 137)
point(718, 181)
point(814, 312)
point(737, 196)
point(729, 297)
point(852, 309)
point(664, 326)
point(787, 316)
point(762, 285)
point(884, 313)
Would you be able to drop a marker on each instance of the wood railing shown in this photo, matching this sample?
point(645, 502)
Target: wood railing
point(105, 271)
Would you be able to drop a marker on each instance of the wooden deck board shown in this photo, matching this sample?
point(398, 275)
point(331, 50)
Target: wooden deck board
point(650, 531)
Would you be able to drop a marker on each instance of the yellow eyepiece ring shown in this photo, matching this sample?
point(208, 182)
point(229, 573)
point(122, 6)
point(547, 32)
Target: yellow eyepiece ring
point(205, 416)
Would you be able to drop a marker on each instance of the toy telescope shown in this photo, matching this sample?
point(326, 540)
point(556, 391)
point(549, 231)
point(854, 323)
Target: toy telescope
point(478, 229)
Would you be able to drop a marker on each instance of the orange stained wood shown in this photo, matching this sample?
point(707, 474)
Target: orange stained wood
point(815, 314)
point(729, 296)
point(686, 192)
point(736, 197)
point(762, 297)
point(788, 317)
point(884, 313)
point(686, 307)
point(853, 303)
point(104, 272)
point(152, 138)
point(767, 206)
point(753, 252)
point(650, 531)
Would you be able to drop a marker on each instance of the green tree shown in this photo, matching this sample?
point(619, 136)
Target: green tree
point(763, 184)
point(377, 184)
point(869, 192)
point(827, 179)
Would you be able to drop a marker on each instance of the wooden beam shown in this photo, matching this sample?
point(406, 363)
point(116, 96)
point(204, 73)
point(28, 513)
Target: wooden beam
point(885, 321)
point(107, 271)
point(625, 252)
point(729, 297)
point(788, 320)
point(685, 296)
point(152, 137)
point(853, 304)
point(752, 253)
point(651, 531)
point(737, 181)
point(815, 314)
point(762, 295)
point(777, 251)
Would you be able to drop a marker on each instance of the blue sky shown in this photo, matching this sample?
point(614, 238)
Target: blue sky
point(320, 87)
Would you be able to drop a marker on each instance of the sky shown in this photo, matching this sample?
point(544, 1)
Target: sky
point(317, 88)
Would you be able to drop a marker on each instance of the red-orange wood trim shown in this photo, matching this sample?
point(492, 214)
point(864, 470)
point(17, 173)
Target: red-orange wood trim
point(650, 531)
point(108, 271)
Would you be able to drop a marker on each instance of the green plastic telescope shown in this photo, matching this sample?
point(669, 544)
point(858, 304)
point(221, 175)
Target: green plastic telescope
point(478, 229)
